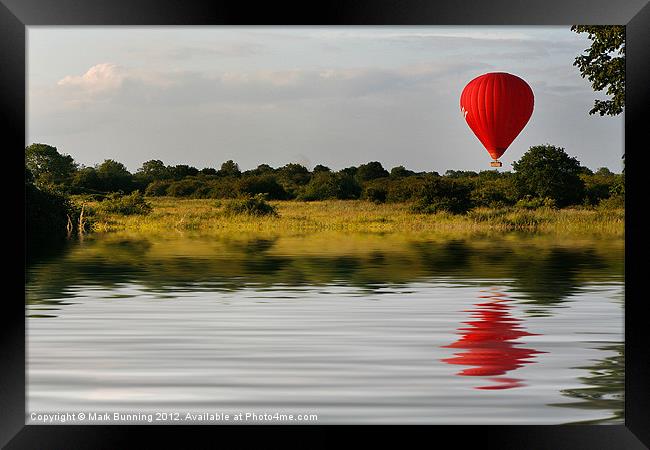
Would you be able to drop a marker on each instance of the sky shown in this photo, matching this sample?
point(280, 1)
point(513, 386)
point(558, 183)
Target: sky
point(337, 96)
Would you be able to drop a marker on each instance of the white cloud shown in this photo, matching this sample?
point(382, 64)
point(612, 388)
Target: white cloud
point(101, 77)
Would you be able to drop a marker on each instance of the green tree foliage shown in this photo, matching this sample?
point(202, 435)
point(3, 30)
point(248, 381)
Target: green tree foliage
point(114, 177)
point(86, 180)
point(493, 192)
point(126, 205)
point(181, 171)
point(229, 169)
point(48, 166)
point(293, 177)
point(545, 175)
point(546, 171)
point(250, 205)
point(262, 184)
point(331, 185)
point(400, 171)
point(370, 171)
point(262, 169)
point(603, 64)
point(444, 194)
point(158, 188)
point(49, 215)
point(376, 190)
point(460, 174)
point(208, 171)
point(600, 185)
point(321, 168)
point(153, 170)
point(407, 189)
point(46, 214)
point(186, 187)
point(352, 170)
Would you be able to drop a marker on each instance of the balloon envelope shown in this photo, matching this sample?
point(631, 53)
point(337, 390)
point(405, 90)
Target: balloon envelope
point(497, 106)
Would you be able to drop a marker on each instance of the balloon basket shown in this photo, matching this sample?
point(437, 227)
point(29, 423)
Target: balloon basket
point(496, 164)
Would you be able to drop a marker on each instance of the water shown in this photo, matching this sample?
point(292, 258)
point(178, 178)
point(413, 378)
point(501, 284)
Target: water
point(350, 328)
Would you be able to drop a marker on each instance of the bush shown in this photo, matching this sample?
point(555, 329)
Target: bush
point(184, 188)
point(265, 184)
point(376, 190)
point(493, 193)
point(406, 189)
point(157, 188)
point(251, 206)
point(613, 202)
point(46, 215)
point(443, 194)
point(126, 205)
point(327, 185)
point(529, 202)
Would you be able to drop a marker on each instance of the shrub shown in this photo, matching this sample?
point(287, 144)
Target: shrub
point(250, 205)
point(157, 188)
point(184, 188)
point(327, 185)
point(376, 190)
point(265, 184)
point(529, 202)
point(613, 202)
point(126, 205)
point(406, 189)
point(494, 193)
point(443, 194)
point(46, 214)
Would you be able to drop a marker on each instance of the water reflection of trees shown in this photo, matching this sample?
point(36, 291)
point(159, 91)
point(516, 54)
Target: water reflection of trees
point(540, 274)
point(605, 387)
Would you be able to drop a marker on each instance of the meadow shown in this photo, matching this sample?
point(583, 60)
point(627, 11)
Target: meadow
point(296, 217)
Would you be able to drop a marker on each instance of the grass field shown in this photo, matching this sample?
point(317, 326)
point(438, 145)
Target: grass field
point(295, 217)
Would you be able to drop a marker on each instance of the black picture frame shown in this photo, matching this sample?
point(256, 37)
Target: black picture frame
point(16, 15)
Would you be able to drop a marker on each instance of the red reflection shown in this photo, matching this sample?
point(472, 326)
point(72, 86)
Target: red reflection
point(489, 343)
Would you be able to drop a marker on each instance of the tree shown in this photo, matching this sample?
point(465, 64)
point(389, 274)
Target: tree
point(330, 185)
point(294, 173)
point(181, 171)
point(262, 184)
point(113, 176)
point(370, 171)
point(546, 171)
point(153, 170)
point(48, 166)
point(400, 171)
point(229, 169)
point(604, 65)
point(208, 171)
point(321, 168)
point(460, 174)
point(262, 169)
point(443, 194)
point(86, 179)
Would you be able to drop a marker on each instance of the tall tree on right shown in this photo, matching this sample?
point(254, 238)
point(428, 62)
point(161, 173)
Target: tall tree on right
point(546, 171)
point(603, 64)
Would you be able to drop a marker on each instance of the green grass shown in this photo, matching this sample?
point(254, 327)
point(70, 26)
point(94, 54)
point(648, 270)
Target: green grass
point(210, 216)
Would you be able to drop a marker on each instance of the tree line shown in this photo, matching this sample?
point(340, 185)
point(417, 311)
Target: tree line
point(545, 176)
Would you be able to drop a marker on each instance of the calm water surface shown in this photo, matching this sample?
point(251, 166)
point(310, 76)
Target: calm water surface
point(351, 328)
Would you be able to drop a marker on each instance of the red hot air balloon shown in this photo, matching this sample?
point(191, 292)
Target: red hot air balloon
point(497, 106)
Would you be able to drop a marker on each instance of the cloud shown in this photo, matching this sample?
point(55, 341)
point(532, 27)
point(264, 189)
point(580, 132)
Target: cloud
point(108, 82)
point(99, 78)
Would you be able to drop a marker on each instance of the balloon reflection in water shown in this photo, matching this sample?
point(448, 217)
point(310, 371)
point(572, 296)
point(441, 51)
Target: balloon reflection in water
point(489, 343)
